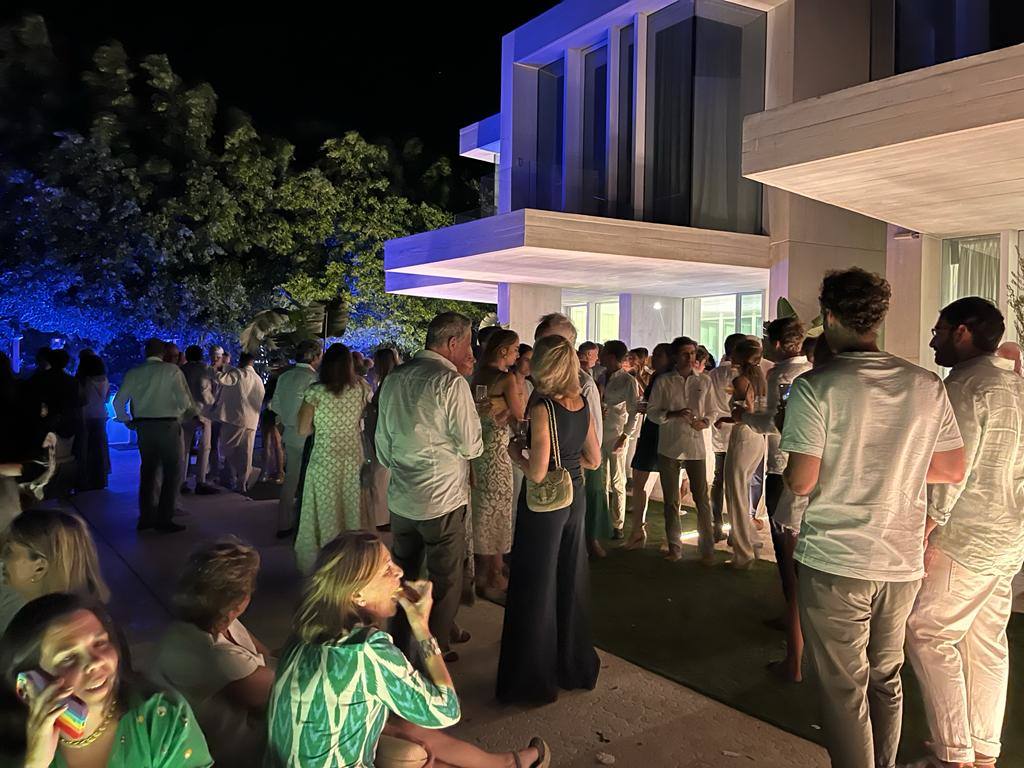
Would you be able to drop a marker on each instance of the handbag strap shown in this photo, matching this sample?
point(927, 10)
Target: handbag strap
point(553, 428)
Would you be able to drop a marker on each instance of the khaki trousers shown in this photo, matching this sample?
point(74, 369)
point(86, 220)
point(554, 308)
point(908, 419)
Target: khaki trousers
point(615, 471)
point(294, 443)
point(696, 469)
point(854, 630)
point(746, 451)
point(956, 640)
point(237, 444)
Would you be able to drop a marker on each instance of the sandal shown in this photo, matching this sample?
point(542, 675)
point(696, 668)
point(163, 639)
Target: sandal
point(638, 538)
point(543, 753)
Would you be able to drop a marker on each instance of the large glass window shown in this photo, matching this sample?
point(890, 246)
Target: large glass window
point(550, 114)
point(624, 180)
point(728, 84)
point(607, 321)
point(712, 318)
point(705, 73)
point(911, 34)
point(595, 132)
point(577, 313)
point(970, 267)
point(669, 101)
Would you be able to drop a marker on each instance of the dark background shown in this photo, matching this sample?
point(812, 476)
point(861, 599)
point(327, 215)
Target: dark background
point(309, 70)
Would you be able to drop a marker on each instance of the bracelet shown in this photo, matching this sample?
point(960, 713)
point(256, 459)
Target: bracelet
point(429, 647)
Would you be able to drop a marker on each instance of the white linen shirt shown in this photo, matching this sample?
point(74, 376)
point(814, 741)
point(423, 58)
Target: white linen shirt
point(721, 400)
point(620, 397)
point(291, 387)
point(240, 398)
point(427, 430)
point(154, 390)
point(672, 392)
point(781, 375)
point(875, 421)
point(982, 517)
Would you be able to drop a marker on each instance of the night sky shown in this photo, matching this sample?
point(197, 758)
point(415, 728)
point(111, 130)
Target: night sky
point(309, 70)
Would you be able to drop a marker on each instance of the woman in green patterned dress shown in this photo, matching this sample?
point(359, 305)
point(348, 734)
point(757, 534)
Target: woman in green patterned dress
point(341, 676)
point(128, 725)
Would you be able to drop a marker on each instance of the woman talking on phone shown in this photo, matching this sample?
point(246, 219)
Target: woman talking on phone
point(341, 676)
point(72, 644)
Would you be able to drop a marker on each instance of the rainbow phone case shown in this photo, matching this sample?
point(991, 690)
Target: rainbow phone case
point(72, 720)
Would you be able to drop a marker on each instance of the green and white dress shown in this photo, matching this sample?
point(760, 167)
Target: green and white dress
point(330, 702)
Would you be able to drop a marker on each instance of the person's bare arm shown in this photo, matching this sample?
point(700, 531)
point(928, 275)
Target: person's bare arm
point(590, 458)
point(947, 466)
point(801, 473)
point(513, 398)
point(253, 692)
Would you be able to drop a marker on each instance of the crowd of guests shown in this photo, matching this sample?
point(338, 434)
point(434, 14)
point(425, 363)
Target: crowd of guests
point(894, 505)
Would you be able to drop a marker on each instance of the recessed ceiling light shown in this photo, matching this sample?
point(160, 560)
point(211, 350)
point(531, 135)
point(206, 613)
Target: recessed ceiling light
point(657, 305)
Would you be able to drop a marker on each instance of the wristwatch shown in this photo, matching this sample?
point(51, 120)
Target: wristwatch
point(429, 647)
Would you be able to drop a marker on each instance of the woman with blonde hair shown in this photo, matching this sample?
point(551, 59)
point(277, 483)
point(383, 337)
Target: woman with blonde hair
point(545, 642)
point(491, 499)
point(746, 448)
point(47, 551)
point(341, 675)
point(223, 671)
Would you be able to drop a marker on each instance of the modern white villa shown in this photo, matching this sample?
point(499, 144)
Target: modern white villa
point(675, 167)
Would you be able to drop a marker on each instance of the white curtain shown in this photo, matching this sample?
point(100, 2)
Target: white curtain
point(970, 267)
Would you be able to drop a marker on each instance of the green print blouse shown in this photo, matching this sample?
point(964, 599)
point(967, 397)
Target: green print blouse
point(330, 702)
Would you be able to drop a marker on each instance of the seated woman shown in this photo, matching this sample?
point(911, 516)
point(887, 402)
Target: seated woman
point(46, 551)
point(223, 672)
point(128, 724)
point(341, 675)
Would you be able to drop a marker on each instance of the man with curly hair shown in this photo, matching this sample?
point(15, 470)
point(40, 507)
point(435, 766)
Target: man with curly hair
point(865, 434)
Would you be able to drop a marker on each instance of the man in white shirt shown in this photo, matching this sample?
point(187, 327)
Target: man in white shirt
point(220, 363)
point(428, 429)
point(721, 400)
point(153, 400)
point(681, 404)
point(291, 388)
point(864, 434)
point(619, 401)
point(238, 410)
point(956, 637)
point(783, 345)
point(202, 384)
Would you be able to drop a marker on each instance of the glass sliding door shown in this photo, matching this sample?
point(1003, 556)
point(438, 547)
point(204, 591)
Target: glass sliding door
point(550, 122)
point(728, 84)
point(607, 321)
point(669, 119)
point(594, 200)
point(711, 319)
point(578, 314)
point(624, 150)
point(970, 267)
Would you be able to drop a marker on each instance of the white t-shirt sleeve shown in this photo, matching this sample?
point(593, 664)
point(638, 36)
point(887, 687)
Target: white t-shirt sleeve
point(804, 430)
point(949, 438)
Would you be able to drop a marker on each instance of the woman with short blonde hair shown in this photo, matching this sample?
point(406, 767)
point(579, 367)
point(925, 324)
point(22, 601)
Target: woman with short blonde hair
point(342, 666)
point(208, 655)
point(545, 643)
point(47, 551)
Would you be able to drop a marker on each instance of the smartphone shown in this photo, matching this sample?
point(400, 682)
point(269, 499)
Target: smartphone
point(481, 393)
point(784, 390)
point(72, 720)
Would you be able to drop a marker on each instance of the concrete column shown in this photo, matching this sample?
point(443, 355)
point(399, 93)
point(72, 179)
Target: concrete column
point(521, 306)
point(913, 269)
point(816, 47)
point(648, 320)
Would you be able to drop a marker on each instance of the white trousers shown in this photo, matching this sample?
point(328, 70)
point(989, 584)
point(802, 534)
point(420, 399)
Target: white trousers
point(956, 640)
point(237, 445)
point(746, 450)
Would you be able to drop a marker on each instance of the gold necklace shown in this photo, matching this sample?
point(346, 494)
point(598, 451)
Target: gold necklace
point(100, 729)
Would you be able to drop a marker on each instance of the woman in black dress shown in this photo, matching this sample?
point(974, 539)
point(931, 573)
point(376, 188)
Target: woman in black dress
point(545, 642)
point(645, 458)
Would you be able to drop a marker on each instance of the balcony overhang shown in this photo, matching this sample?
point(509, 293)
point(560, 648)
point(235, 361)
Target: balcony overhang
point(939, 150)
point(585, 253)
point(440, 287)
point(482, 140)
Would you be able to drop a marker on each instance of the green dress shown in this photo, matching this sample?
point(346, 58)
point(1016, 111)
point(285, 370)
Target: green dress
point(159, 732)
point(330, 702)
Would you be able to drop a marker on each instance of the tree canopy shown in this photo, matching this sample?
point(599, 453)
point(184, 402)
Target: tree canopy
point(133, 204)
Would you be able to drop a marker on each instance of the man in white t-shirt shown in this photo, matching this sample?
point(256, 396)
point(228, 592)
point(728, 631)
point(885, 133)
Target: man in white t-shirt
point(864, 435)
point(956, 636)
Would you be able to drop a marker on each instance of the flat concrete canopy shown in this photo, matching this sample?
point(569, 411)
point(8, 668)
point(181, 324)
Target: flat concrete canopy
point(581, 252)
point(939, 151)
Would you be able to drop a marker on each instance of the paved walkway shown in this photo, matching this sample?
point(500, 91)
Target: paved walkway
point(640, 719)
